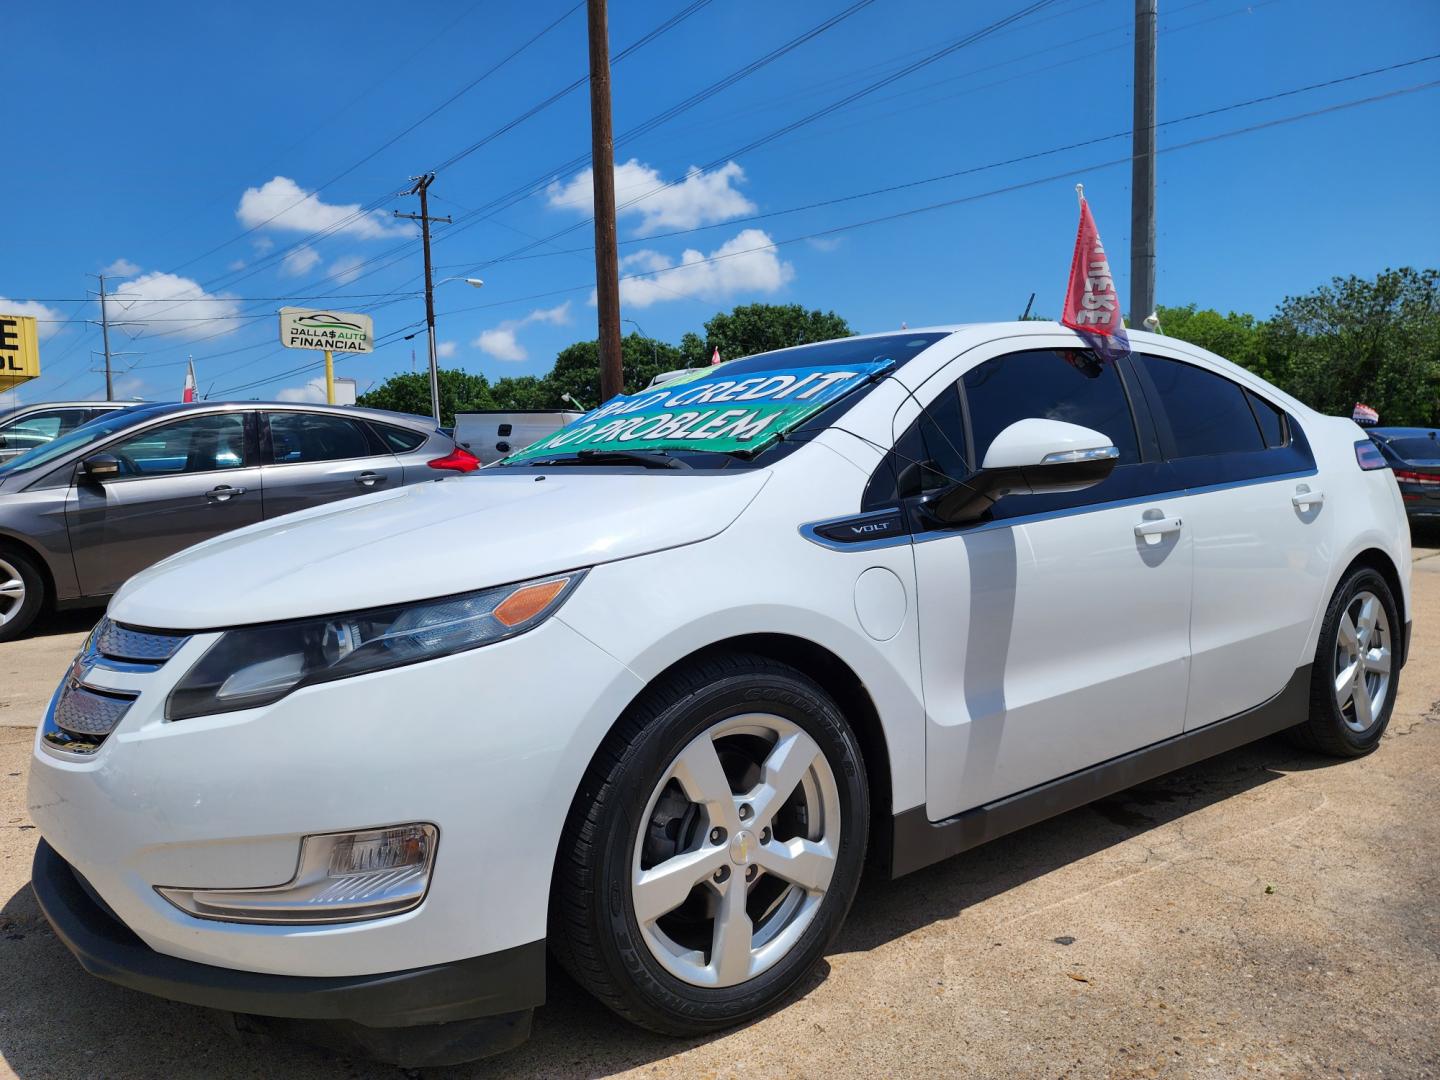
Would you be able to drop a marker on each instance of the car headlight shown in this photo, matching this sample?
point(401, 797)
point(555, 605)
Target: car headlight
point(257, 665)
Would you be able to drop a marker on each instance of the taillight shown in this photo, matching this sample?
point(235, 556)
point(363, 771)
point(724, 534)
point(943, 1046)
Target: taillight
point(458, 460)
point(1429, 479)
point(1367, 456)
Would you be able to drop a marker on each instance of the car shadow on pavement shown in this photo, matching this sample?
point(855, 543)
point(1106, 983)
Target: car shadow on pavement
point(74, 621)
point(55, 1020)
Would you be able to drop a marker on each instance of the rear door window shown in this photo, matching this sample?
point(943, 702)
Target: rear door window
point(1208, 413)
point(297, 437)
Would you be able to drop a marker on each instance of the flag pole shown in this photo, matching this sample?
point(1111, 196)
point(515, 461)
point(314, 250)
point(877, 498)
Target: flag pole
point(1080, 193)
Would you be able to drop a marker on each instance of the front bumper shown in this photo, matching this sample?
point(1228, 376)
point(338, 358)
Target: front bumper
point(502, 988)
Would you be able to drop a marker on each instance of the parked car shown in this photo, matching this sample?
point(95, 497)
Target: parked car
point(651, 709)
point(25, 427)
point(88, 509)
point(1414, 456)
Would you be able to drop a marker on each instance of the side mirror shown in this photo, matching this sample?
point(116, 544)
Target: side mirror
point(101, 467)
point(1030, 457)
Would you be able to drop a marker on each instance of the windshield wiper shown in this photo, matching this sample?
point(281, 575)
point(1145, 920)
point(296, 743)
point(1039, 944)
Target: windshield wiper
point(656, 459)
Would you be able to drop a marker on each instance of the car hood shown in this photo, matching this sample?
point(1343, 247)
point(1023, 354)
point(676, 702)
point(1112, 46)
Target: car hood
point(430, 540)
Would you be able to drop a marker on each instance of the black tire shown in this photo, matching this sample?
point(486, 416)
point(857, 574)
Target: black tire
point(600, 943)
point(23, 563)
point(1326, 730)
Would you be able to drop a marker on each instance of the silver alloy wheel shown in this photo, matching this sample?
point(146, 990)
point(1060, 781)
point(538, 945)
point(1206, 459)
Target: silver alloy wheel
point(748, 817)
point(1362, 661)
point(12, 592)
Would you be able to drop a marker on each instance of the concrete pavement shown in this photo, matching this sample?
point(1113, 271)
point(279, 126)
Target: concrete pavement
point(1267, 913)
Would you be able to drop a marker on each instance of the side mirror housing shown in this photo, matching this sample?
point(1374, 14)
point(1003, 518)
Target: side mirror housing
point(1030, 457)
point(101, 467)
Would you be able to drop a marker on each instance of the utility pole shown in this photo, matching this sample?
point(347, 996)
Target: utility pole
point(602, 164)
point(1142, 168)
point(105, 336)
point(422, 185)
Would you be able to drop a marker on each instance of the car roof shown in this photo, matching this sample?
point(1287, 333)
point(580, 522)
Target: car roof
point(34, 405)
point(169, 408)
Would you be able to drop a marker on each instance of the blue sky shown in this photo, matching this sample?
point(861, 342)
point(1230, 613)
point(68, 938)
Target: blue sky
point(222, 163)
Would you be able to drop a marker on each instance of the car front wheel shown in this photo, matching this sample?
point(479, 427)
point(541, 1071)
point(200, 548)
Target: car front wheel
point(714, 848)
point(22, 593)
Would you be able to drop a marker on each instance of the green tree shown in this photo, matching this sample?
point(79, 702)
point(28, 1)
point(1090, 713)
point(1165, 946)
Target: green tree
point(1237, 337)
point(525, 392)
point(757, 328)
point(1376, 341)
point(409, 392)
point(577, 368)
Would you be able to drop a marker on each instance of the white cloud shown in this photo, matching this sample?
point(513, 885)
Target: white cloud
point(638, 262)
point(346, 268)
point(49, 318)
point(313, 391)
point(121, 268)
point(236, 264)
point(262, 244)
point(281, 204)
point(700, 199)
point(501, 341)
point(825, 243)
point(445, 349)
point(747, 263)
point(167, 304)
point(300, 261)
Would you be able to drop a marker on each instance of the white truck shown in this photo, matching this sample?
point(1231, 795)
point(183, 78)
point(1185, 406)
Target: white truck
point(492, 435)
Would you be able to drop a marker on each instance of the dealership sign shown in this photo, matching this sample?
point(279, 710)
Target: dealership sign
point(333, 331)
point(19, 350)
point(708, 411)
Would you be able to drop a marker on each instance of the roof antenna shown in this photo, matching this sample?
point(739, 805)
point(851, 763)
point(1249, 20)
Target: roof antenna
point(1028, 305)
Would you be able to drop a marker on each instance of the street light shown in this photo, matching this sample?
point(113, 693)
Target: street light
point(566, 397)
point(474, 283)
point(654, 347)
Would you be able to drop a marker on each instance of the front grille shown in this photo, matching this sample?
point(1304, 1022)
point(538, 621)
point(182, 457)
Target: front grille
point(82, 711)
point(83, 715)
point(138, 646)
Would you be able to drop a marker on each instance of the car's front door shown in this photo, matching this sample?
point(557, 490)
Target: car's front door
point(180, 482)
point(1256, 514)
point(318, 457)
point(1055, 634)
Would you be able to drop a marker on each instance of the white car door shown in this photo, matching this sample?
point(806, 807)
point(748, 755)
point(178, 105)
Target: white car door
point(1255, 512)
point(1052, 635)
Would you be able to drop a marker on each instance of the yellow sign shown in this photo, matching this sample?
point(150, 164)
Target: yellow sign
point(19, 350)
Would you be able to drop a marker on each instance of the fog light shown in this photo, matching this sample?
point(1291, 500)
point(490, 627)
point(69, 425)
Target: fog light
point(341, 877)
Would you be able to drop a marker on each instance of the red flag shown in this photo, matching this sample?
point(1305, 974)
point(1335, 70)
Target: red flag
point(189, 394)
point(715, 359)
point(1092, 305)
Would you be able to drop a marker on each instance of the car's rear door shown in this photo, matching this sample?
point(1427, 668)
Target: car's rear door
point(181, 482)
point(1255, 511)
point(313, 457)
point(1052, 635)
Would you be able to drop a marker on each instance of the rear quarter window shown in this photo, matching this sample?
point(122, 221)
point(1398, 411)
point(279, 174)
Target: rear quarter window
point(398, 440)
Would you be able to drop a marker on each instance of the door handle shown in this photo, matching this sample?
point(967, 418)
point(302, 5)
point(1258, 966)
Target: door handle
point(1158, 527)
point(223, 493)
point(1304, 498)
point(369, 479)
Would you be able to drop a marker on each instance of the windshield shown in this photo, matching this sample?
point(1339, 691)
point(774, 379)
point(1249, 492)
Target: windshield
point(729, 415)
point(85, 435)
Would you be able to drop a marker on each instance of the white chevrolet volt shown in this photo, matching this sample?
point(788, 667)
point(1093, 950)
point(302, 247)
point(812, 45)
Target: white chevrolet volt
point(652, 709)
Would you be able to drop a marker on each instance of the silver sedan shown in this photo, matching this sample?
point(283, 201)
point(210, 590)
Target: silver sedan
point(98, 504)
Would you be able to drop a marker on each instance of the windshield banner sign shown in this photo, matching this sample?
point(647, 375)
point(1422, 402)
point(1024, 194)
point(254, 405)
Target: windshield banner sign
point(707, 411)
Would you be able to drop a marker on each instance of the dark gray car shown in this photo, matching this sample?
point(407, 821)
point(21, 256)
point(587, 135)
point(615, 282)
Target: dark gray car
point(90, 508)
